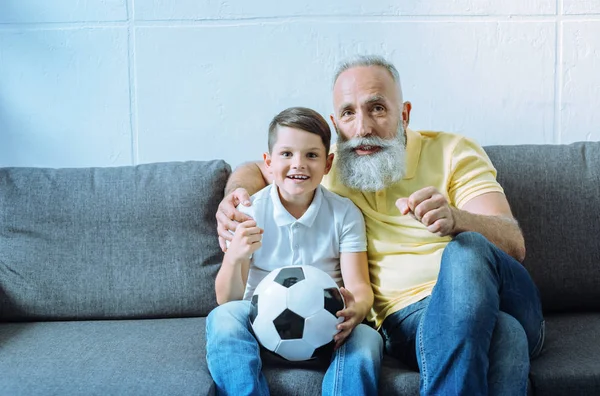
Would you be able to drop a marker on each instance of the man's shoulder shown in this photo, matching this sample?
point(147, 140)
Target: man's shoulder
point(441, 137)
point(445, 143)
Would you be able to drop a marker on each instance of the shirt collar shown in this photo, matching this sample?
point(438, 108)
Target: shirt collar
point(283, 217)
point(413, 152)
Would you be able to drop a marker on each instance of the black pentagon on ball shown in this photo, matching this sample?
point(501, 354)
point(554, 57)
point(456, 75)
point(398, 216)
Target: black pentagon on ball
point(288, 277)
point(253, 308)
point(333, 300)
point(289, 325)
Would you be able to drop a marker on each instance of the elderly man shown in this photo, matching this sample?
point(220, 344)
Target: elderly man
point(451, 297)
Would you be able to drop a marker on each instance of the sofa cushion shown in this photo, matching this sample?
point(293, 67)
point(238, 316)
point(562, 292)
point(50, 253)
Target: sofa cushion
point(127, 357)
point(570, 361)
point(554, 192)
point(99, 243)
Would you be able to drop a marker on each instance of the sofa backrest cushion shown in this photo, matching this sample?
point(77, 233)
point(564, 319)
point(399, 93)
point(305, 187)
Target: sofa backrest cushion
point(554, 192)
point(99, 243)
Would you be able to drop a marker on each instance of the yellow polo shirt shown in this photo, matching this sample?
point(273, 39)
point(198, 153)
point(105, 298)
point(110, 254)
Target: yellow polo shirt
point(404, 258)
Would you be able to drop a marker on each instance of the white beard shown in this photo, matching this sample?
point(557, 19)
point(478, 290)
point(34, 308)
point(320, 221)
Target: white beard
point(372, 172)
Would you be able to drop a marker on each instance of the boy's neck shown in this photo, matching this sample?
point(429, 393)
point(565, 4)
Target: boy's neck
point(296, 205)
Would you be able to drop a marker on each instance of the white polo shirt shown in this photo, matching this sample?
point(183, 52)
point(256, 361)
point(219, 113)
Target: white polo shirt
point(331, 225)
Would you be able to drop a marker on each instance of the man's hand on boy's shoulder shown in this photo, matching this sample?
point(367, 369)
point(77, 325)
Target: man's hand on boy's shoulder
point(228, 217)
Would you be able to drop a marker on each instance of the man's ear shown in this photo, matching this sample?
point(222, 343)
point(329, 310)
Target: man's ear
point(267, 160)
point(329, 163)
point(406, 114)
point(333, 122)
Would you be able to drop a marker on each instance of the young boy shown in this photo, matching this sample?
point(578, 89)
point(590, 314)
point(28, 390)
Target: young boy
point(303, 224)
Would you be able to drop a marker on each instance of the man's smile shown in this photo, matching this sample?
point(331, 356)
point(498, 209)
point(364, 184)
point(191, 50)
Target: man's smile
point(366, 149)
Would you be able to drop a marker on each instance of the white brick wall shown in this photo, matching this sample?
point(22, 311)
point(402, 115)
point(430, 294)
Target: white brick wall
point(115, 82)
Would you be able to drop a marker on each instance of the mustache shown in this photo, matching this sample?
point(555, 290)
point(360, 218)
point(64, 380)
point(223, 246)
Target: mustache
point(352, 144)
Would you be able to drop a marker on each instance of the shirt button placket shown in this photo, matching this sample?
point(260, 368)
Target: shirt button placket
point(295, 246)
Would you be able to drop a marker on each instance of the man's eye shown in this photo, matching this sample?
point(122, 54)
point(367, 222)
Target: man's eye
point(346, 113)
point(378, 108)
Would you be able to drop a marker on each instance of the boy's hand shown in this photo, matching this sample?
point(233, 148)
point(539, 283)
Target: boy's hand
point(351, 318)
point(228, 217)
point(246, 240)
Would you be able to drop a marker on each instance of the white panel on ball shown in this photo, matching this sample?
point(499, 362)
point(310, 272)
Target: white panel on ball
point(276, 295)
point(320, 328)
point(295, 350)
point(315, 275)
point(265, 332)
point(305, 298)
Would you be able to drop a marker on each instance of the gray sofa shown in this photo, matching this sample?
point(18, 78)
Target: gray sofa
point(106, 276)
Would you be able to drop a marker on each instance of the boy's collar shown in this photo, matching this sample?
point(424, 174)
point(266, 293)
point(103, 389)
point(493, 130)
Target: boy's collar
point(283, 217)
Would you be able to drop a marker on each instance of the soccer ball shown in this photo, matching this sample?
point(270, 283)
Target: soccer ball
point(293, 311)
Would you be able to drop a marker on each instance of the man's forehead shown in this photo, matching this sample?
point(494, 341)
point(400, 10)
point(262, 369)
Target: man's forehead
point(363, 83)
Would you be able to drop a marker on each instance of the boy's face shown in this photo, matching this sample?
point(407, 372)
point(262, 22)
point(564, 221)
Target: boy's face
point(297, 162)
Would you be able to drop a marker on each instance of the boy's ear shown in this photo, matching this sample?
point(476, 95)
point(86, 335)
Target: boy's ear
point(329, 163)
point(267, 159)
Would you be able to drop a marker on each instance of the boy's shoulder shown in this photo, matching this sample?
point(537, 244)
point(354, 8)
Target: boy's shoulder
point(258, 200)
point(336, 199)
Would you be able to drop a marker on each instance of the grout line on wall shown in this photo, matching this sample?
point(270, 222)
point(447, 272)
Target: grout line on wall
point(558, 74)
point(133, 114)
point(132, 22)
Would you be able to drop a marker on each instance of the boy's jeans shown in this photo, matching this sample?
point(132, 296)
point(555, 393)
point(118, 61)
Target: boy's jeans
point(477, 331)
point(233, 356)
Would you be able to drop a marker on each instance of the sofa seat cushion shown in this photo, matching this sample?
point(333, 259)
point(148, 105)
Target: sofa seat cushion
point(143, 357)
point(570, 361)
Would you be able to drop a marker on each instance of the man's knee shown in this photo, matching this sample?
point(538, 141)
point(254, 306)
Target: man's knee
point(509, 339)
point(467, 248)
point(469, 240)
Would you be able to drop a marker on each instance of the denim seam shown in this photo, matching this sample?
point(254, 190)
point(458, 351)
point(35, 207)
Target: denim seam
point(422, 356)
point(339, 370)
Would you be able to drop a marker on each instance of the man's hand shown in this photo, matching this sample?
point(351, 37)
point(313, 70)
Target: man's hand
point(351, 318)
point(228, 217)
point(431, 208)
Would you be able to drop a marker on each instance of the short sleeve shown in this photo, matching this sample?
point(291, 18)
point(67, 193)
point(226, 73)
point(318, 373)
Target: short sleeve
point(353, 237)
point(472, 173)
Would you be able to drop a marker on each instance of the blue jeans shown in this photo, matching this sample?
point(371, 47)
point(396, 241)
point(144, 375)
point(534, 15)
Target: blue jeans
point(233, 356)
point(479, 328)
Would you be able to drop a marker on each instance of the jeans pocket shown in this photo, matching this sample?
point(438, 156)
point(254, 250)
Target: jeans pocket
point(540, 344)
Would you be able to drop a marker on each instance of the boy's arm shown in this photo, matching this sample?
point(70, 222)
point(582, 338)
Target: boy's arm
point(231, 279)
point(230, 283)
point(357, 293)
point(355, 273)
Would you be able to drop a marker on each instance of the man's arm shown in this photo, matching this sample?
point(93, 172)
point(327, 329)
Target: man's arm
point(251, 176)
point(488, 214)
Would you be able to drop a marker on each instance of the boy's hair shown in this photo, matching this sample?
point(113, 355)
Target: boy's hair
point(300, 118)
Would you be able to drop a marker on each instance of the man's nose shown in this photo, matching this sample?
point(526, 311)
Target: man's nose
point(364, 126)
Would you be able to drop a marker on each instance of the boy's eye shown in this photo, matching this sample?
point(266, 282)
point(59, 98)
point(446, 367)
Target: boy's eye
point(286, 154)
point(312, 155)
